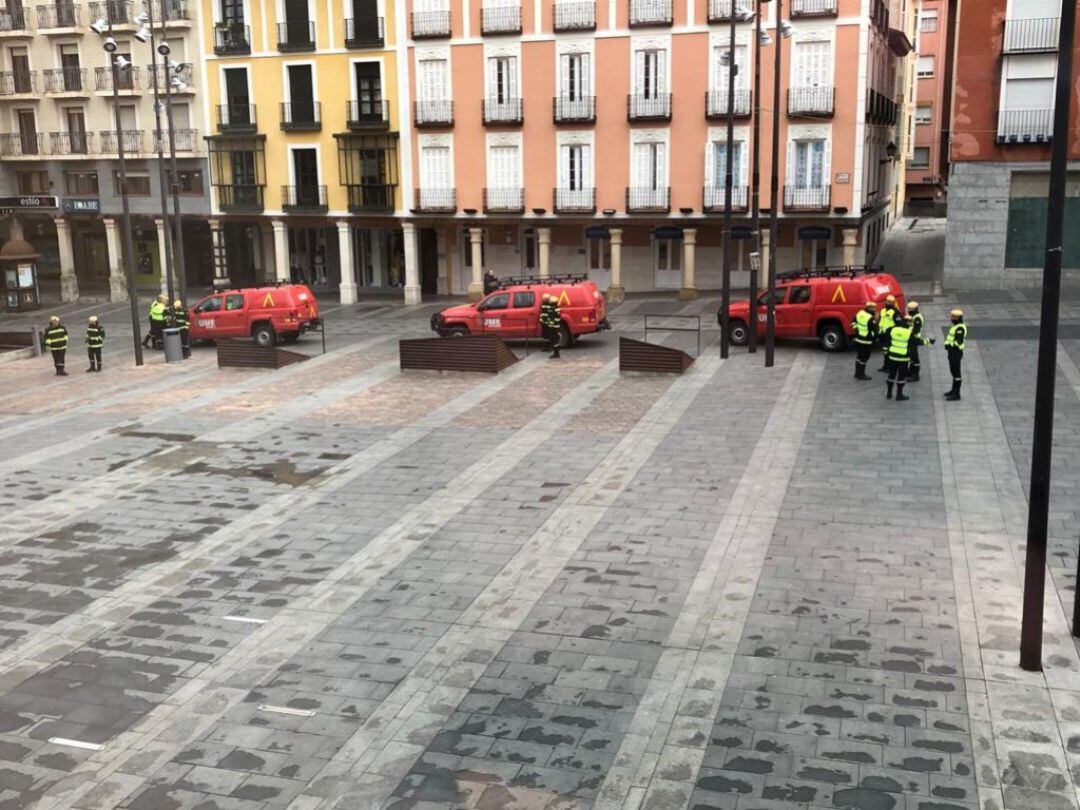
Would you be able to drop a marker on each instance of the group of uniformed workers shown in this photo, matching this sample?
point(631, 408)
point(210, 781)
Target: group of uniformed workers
point(162, 315)
point(56, 341)
point(900, 336)
point(551, 323)
point(56, 335)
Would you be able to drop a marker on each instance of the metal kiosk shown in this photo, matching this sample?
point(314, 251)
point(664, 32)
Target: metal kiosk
point(18, 262)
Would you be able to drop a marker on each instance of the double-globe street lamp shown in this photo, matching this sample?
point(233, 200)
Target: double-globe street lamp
point(169, 77)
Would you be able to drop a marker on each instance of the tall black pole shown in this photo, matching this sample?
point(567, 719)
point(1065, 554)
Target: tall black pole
point(1031, 627)
point(170, 290)
point(127, 249)
point(725, 283)
point(755, 179)
point(178, 222)
point(774, 191)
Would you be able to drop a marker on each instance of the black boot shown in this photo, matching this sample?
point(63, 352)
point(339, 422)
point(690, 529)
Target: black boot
point(913, 375)
point(954, 394)
point(60, 372)
point(90, 369)
point(888, 391)
point(900, 393)
point(860, 372)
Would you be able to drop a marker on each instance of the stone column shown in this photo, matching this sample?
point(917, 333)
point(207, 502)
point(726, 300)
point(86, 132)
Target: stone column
point(117, 282)
point(543, 240)
point(689, 289)
point(412, 265)
point(851, 241)
point(159, 223)
point(217, 249)
point(348, 268)
point(281, 250)
point(476, 245)
point(616, 292)
point(69, 282)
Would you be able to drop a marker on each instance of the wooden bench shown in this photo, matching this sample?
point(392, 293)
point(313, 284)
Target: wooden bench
point(248, 354)
point(483, 353)
point(637, 355)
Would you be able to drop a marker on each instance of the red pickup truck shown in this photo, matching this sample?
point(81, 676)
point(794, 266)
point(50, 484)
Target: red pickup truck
point(267, 314)
point(816, 304)
point(513, 311)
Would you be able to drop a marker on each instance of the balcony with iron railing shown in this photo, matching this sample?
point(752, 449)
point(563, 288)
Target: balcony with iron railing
point(170, 10)
point(18, 82)
point(72, 143)
point(574, 15)
point(811, 102)
point(18, 144)
point(434, 200)
point(813, 8)
point(576, 110)
point(504, 111)
point(881, 109)
point(240, 197)
point(574, 200)
point(15, 21)
point(307, 198)
point(232, 39)
point(131, 139)
point(716, 103)
point(301, 116)
point(370, 197)
point(187, 140)
point(236, 117)
point(652, 107)
point(807, 198)
point(127, 80)
point(59, 15)
point(1025, 126)
point(650, 12)
point(367, 32)
point(116, 12)
point(506, 200)
point(433, 113)
point(714, 198)
point(367, 114)
point(720, 10)
point(184, 74)
point(646, 198)
point(430, 24)
point(296, 35)
point(1037, 35)
point(66, 80)
point(500, 19)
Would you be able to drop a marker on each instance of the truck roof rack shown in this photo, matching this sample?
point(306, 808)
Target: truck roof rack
point(835, 271)
point(524, 281)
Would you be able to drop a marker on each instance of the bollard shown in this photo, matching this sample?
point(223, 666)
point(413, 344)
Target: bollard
point(36, 336)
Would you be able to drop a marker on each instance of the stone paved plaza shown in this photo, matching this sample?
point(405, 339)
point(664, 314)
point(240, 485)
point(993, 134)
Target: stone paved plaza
point(343, 586)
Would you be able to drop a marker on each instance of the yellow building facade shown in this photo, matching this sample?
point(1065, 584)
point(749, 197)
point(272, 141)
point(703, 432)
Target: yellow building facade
point(302, 107)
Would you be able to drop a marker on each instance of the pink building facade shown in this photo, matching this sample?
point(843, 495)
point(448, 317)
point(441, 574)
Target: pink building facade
point(928, 162)
point(572, 136)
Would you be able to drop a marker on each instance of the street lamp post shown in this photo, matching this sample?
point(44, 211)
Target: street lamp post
point(1031, 626)
point(755, 182)
point(774, 190)
point(178, 222)
point(725, 283)
point(127, 249)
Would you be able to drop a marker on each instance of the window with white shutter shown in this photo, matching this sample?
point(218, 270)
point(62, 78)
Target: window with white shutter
point(650, 166)
point(650, 73)
point(502, 79)
point(813, 64)
point(720, 69)
point(574, 78)
point(505, 167)
point(809, 169)
point(718, 175)
point(433, 83)
point(575, 167)
point(435, 170)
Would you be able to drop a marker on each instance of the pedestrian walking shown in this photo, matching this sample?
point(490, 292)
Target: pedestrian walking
point(182, 322)
point(551, 323)
point(491, 282)
point(899, 337)
point(158, 311)
point(865, 336)
point(954, 345)
point(56, 341)
point(886, 319)
point(915, 318)
point(95, 339)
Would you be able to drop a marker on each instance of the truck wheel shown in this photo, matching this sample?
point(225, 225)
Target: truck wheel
point(456, 331)
point(832, 337)
point(565, 338)
point(738, 333)
point(264, 335)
